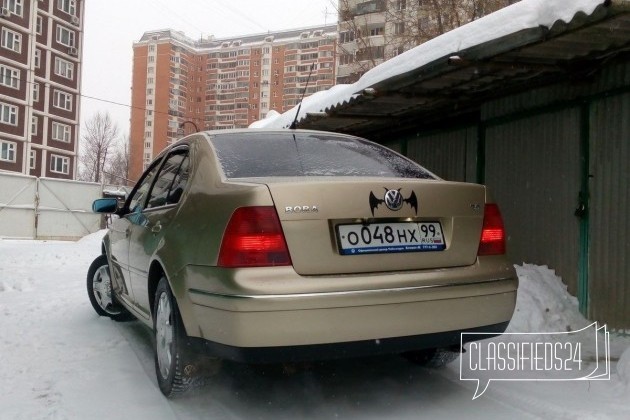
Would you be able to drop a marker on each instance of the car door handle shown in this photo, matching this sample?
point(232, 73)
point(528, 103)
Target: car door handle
point(156, 227)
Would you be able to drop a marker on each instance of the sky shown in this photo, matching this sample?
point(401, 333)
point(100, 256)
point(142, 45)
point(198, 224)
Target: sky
point(112, 26)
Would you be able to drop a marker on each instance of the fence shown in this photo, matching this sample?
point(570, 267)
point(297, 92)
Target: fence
point(47, 208)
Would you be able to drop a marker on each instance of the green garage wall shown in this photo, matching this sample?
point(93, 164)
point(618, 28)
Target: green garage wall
point(543, 152)
point(609, 234)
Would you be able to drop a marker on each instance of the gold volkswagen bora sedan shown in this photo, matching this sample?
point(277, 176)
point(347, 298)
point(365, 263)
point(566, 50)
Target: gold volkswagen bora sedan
point(265, 246)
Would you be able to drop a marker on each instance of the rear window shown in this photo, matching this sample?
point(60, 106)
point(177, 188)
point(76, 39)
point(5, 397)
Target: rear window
point(254, 155)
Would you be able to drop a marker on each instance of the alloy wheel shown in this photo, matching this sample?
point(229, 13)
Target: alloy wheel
point(164, 335)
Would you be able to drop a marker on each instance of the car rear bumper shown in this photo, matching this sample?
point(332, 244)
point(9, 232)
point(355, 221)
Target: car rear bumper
point(396, 345)
point(427, 306)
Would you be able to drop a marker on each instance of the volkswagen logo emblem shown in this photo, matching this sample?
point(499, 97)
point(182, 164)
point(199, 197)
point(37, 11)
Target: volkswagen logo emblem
point(393, 200)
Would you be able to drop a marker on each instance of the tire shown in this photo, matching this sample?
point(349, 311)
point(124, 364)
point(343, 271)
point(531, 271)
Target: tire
point(173, 362)
point(100, 292)
point(431, 358)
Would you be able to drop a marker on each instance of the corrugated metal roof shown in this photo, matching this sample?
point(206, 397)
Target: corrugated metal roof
point(459, 80)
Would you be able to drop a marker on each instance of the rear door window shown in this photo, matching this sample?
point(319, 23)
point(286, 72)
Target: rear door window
point(171, 180)
point(139, 196)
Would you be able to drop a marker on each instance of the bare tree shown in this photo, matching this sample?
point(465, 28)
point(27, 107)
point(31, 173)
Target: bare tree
point(117, 171)
point(97, 146)
point(357, 48)
point(373, 31)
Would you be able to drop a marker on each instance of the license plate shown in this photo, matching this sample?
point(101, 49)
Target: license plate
point(378, 238)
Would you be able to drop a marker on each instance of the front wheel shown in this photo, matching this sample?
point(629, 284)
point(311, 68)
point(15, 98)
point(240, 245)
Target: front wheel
point(173, 365)
point(100, 292)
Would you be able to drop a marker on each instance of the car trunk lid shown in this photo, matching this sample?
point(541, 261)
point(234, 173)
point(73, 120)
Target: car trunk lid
point(345, 226)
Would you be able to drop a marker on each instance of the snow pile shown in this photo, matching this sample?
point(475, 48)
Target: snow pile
point(623, 368)
point(543, 303)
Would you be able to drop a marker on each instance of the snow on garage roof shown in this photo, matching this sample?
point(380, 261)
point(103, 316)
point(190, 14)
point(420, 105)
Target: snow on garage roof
point(519, 17)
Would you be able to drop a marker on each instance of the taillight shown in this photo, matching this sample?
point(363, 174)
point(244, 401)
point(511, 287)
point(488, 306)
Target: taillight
point(254, 238)
point(492, 240)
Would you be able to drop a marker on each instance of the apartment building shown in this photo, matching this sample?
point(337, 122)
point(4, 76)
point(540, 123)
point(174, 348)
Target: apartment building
point(181, 85)
point(373, 31)
point(40, 79)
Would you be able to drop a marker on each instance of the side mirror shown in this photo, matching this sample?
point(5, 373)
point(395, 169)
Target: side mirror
point(105, 205)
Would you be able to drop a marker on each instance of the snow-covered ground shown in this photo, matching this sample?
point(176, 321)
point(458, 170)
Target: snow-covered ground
point(61, 361)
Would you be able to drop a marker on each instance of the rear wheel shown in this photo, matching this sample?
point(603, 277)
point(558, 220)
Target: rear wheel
point(100, 292)
point(431, 358)
point(173, 365)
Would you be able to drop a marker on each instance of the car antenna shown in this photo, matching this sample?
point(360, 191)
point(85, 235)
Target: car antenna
point(293, 125)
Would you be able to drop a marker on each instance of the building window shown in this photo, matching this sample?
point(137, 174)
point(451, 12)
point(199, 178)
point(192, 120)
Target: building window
point(61, 132)
point(11, 40)
point(38, 25)
point(68, 6)
point(65, 36)
point(147, 145)
point(35, 92)
point(376, 31)
point(151, 48)
point(401, 4)
point(38, 58)
point(8, 114)
point(7, 151)
point(9, 77)
point(34, 125)
point(64, 68)
point(149, 91)
point(150, 70)
point(59, 164)
point(150, 81)
point(347, 36)
point(14, 6)
point(62, 100)
point(399, 28)
point(346, 59)
point(32, 159)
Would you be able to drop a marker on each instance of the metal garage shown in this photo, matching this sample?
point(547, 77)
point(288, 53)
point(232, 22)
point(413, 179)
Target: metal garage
point(542, 116)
